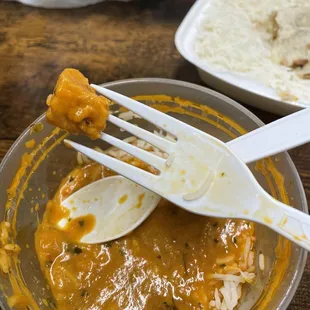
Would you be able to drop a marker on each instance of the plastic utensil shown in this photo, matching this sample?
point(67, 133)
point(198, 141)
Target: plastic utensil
point(276, 137)
point(118, 204)
point(201, 174)
point(117, 219)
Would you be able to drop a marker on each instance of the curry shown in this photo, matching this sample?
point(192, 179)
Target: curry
point(174, 260)
point(166, 263)
point(74, 106)
point(169, 262)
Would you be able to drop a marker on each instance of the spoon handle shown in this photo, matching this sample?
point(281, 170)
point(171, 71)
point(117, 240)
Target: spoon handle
point(285, 220)
point(281, 135)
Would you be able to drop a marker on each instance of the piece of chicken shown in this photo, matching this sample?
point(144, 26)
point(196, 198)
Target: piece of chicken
point(74, 106)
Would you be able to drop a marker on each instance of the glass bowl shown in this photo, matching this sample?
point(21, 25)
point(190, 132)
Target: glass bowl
point(49, 160)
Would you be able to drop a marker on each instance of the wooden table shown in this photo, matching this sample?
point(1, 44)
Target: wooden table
point(108, 41)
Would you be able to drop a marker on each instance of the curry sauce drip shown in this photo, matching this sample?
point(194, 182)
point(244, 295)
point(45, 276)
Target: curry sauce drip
point(78, 227)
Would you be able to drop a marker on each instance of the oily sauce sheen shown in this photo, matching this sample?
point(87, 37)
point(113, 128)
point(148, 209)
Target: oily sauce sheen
point(165, 263)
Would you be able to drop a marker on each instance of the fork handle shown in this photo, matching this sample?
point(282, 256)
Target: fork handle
point(285, 220)
point(281, 135)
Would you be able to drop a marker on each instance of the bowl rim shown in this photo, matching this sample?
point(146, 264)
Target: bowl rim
point(301, 262)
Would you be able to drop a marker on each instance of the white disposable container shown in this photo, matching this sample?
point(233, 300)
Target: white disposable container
point(243, 89)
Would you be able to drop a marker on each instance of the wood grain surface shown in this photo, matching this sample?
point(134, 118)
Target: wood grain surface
point(108, 41)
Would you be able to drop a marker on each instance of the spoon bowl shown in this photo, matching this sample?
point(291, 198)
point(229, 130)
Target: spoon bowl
point(118, 205)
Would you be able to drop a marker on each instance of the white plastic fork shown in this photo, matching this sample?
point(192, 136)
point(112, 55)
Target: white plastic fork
point(201, 174)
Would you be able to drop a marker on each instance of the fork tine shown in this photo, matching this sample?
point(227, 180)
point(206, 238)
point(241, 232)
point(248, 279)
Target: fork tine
point(143, 134)
point(145, 156)
point(155, 117)
point(130, 172)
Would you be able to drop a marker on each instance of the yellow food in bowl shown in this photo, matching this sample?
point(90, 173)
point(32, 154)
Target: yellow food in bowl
point(169, 262)
point(175, 260)
point(74, 106)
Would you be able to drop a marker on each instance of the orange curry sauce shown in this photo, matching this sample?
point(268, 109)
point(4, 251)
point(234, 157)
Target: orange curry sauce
point(163, 264)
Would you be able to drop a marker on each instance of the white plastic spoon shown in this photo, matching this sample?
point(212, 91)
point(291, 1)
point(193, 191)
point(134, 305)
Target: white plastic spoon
point(118, 204)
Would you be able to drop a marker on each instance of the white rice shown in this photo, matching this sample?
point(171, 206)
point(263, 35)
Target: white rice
point(233, 36)
point(217, 299)
point(141, 144)
point(261, 261)
point(225, 260)
point(128, 115)
point(130, 139)
point(227, 297)
point(251, 258)
point(82, 159)
point(166, 135)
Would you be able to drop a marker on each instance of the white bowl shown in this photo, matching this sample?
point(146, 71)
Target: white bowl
point(243, 89)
